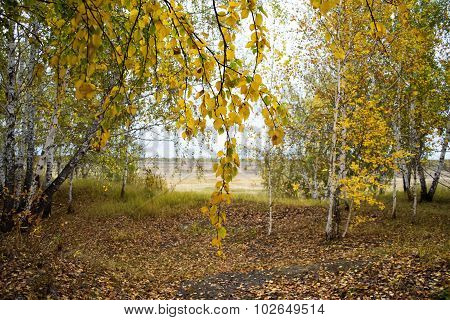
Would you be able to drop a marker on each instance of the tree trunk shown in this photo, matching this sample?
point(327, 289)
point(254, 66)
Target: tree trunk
point(6, 222)
point(315, 191)
point(20, 162)
point(438, 171)
point(407, 183)
point(46, 157)
point(350, 212)
point(423, 182)
point(44, 201)
point(30, 145)
point(414, 192)
point(29, 116)
point(394, 197)
point(70, 209)
point(2, 172)
point(49, 166)
point(406, 177)
point(415, 160)
point(343, 154)
point(332, 226)
point(125, 173)
point(269, 232)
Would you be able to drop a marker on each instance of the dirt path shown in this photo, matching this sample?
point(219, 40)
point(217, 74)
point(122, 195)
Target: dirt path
point(242, 285)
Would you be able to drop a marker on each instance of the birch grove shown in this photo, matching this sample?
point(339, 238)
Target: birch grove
point(369, 101)
point(378, 88)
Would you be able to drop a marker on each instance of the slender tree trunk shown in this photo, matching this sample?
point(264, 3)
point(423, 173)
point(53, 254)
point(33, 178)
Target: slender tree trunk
point(406, 176)
point(6, 222)
point(125, 173)
point(2, 172)
point(20, 163)
point(269, 232)
point(70, 209)
point(46, 157)
point(347, 224)
point(401, 162)
point(438, 171)
point(39, 204)
point(394, 197)
point(30, 145)
point(343, 154)
point(332, 226)
point(415, 160)
point(58, 165)
point(315, 193)
point(414, 192)
point(423, 182)
point(29, 116)
point(49, 166)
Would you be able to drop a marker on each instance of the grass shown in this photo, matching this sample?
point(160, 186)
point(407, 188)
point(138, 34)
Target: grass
point(94, 198)
point(262, 197)
point(101, 199)
point(427, 237)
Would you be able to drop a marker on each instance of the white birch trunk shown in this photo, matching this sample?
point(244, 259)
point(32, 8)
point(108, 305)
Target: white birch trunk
point(401, 163)
point(10, 139)
point(415, 160)
point(70, 195)
point(414, 209)
point(343, 154)
point(46, 157)
point(394, 197)
point(269, 232)
point(29, 114)
point(349, 218)
point(125, 172)
point(2, 171)
point(20, 162)
point(437, 174)
point(331, 226)
point(49, 164)
point(315, 192)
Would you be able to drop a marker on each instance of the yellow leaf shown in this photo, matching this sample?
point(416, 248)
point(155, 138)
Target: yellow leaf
point(339, 54)
point(60, 23)
point(96, 40)
point(315, 4)
point(133, 14)
point(277, 136)
point(54, 60)
point(258, 19)
point(132, 109)
point(104, 138)
point(205, 210)
point(131, 51)
point(85, 90)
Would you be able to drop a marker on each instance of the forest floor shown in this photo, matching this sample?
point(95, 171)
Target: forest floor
point(98, 256)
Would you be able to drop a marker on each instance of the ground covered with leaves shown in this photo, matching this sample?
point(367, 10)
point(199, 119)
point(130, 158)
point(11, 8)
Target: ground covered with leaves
point(82, 256)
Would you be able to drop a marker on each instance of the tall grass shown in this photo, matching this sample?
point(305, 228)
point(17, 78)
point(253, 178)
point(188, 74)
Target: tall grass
point(96, 198)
